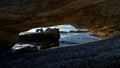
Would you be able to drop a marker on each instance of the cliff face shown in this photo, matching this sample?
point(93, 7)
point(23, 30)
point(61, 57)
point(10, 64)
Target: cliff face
point(100, 16)
point(30, 6)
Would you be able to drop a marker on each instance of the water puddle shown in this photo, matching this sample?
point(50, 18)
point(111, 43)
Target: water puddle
point(76, 38)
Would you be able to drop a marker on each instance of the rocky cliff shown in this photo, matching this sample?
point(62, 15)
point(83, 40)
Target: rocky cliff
point(100, 16)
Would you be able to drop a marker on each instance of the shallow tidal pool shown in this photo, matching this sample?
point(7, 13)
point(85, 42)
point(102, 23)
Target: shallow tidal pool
point(76, 38)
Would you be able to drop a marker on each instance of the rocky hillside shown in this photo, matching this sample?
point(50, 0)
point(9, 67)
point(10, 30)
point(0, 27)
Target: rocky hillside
point(100, 16)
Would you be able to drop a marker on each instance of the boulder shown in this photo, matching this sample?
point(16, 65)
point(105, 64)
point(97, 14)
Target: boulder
point(79, 31)
point(49, 36)
point(37, 41)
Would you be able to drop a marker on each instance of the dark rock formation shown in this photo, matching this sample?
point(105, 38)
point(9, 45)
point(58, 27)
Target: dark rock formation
point(19, 15)
point(101, 16)
point(51, 35)
point(100, 54)
point(78, 31)
point(37, 41)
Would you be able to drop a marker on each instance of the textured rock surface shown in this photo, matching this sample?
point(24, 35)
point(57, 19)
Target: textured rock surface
point(20, 15)
point(51, 35)
point(38, 41)
point(101, 16)
point(101, 54)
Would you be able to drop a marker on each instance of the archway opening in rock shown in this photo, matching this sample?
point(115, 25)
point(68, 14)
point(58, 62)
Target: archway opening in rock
point(69, 35)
